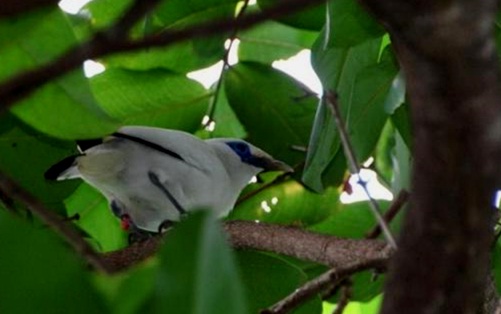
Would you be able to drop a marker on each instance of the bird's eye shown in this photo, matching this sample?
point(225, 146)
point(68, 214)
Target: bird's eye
point(241, 149)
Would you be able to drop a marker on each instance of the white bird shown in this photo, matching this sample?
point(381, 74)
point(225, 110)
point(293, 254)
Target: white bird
point(151, 176)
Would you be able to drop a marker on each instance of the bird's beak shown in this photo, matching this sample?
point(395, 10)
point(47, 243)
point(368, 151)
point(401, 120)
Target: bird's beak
point(277, 165)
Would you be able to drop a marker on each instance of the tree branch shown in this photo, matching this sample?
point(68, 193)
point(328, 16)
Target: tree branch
point(327, 250)
point(70, 235)
point(395, 207)
point(12, 8)
point(447, 52)
point(324, 281)
point(100, 45)
point(354, 167)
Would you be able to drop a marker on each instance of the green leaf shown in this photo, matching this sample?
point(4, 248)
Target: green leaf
point(288, 203)
point(350, 220)
point(104, 12)
point(272, 41)
point(65, 107)
point(338, 69)
point(366, 114)
point(155, 98)
point(227, 123)
point(269, 279)
point(54, 111)
point(26, 154)
point(183, 57)
point(402, 121)
point(130, 291)
point(96, 218)
point(349, 24)
point(402, 165)
point(275, 109)
point(40, 275)
point(174, 11)
point(396, 94)
point(383, 163)
point(310, 19)
point(197, 271)
point(373, 306)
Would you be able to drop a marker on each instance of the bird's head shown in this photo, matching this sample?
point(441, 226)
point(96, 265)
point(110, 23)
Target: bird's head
point(256, 157)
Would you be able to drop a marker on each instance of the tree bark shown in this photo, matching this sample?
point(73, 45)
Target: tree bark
point(447, 52)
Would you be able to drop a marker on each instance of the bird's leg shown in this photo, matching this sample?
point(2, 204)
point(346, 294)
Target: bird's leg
point(135, 234)
point(127, 224)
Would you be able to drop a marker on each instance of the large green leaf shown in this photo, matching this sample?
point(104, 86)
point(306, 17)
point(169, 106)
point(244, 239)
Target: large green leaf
point(287, 203)
point(198, 272)
point(26, 154)
point(402, 121)
point(370, 307)
point(338, 70)
point(350, 221)
point(271, 41)
point(275, 109)
point(65, 107)
point(366, 114)
point(102, 13)
point(130, 291)
point(349, 24)
point(182, 57)
point(96, 218)
point(39, 273)
point(156, 98)
point(269, 279)
point(227, 123)
point(310, 19)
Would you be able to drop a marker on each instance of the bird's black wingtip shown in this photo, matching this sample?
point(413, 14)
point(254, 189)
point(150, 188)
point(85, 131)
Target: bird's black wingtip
point(55, 171)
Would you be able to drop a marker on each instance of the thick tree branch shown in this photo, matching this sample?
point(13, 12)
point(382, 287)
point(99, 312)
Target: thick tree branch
point(447, 52)
point(327, 250)
point(100, 45)
point(11, 8)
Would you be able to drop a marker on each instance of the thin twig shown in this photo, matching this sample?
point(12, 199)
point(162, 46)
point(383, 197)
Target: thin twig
point(70, 235)
point(137, 10)
point(344, 298)
point(7, 202)
point(225, 66)
point(313, 287)
point(98, 46)
point(281, 178)
point(395, 207)
point(331, 99)
point(12, 8)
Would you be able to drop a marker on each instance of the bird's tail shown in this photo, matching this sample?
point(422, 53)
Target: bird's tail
point(63, 170)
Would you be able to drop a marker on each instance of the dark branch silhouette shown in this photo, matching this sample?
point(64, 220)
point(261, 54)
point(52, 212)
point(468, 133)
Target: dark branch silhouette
point(56, 223)
point(446, 50)
point(103, 43)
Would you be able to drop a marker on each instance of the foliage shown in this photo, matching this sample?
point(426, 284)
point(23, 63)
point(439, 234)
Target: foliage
point(196, 272)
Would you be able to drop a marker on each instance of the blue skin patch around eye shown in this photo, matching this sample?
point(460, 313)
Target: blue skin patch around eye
point(244, 152)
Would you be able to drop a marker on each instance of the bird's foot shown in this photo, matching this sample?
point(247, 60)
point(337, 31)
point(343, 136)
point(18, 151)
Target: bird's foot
point(138, 235)
point(165, 226)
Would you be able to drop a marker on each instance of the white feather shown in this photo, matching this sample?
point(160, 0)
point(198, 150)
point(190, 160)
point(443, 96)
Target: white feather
point(210, 176)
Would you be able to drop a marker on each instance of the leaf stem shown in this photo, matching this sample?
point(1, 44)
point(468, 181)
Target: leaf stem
point(354, 167)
